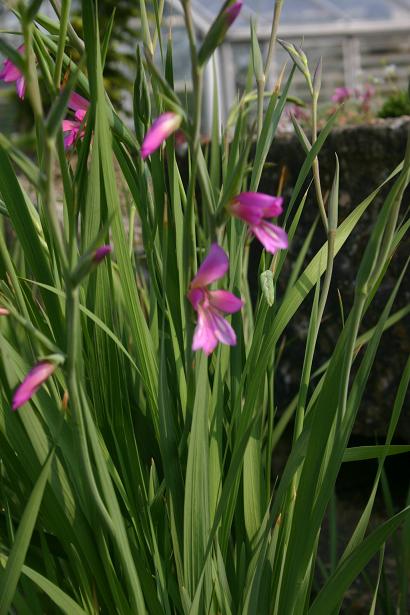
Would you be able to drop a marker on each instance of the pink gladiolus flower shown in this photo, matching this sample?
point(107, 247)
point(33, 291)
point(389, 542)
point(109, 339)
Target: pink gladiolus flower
point(161, 129)
point(11, 73)
point(32, 382)
point(74, 129)
point(4, 312)
point(209, 304)
point(101, 253)
point(253, 208)
point(340, 95)
point(233, 11)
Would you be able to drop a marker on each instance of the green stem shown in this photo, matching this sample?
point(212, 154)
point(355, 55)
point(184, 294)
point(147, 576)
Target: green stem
point(273, 36)
point(75, 40)
point(307, 366)
point(261, 95)
point(73, 350)
point(64, 21)
point(47, 152)
point(189, 221)
point(315, 167)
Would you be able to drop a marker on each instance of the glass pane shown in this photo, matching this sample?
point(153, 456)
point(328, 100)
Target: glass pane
point(309, 11)
point(301, 11)
point(370, 9)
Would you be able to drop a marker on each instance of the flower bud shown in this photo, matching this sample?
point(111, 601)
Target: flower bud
point(219, 28)
point(32, 382)
point(101, 253)
point(161, 129)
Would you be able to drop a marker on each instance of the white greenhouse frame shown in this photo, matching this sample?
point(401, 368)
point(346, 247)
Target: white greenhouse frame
point(346, 33)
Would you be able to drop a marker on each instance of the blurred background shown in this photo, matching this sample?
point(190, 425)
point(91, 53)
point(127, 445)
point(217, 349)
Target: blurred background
point(365, 48)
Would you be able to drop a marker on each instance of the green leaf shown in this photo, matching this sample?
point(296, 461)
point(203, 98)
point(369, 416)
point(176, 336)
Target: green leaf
point(267, 286)
point(196, 504)
point(362, 453)
point(28, 237)
point(332, 593)
point(57, 595)
point(12, 572)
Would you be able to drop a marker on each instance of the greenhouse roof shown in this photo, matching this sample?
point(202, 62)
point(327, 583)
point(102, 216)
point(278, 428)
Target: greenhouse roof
point(309, 16)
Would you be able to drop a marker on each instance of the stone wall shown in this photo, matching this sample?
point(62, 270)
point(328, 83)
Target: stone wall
point(367, 154)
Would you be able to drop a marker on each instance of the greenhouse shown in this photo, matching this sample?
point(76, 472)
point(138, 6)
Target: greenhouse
point(365, 38)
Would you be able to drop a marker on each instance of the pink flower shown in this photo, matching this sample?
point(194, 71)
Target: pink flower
point(212, 327)
point(101, 253)
point(32, 382)
point(340, 95)
point(4, 312)
point(298, 112)
point(10, 73)
point(161, 129)
point(233, 11)
point(365, 96)
point(74, 129)
point(253, 208)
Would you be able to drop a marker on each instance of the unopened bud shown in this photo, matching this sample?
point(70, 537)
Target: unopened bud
point(317, 78)
point(267, 286)
point(219, 28)
point(101, 253)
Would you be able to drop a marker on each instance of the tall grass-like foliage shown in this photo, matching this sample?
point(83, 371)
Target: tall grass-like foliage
point(136, 466)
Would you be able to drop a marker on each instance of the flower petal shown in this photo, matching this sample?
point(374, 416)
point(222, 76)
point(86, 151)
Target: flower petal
point(101, 252)
point(253, 206)
point(225, 301)
point(204, 336)
point(78, 103)
point(32, 382)
point(213, 267)
point(21, 87)
point(80, 114)
point(221, 328)
point(272, 237)
point(161, 129)
point(10, 72)
point(195, 296)
point(233, 11)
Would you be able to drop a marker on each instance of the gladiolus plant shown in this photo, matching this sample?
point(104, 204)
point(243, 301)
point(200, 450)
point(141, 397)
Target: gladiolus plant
point(164, 468)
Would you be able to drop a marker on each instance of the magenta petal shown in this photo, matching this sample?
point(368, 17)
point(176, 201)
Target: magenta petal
point(272, 237)
point(70, 125)
point(32, 382)
point(204, 337)
point(252, 206)
point(101, 253)
point(225, 301)
point(233, 11)
point(70, 138)
point(10, 72)
point(247, 213)
point(275, 208)
point(78, 103)
point(21, 87)
point(213, 267)
point(71, 128)
point(222, 329)
point(161, 129)
point(195, 296)
point(80, 114)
